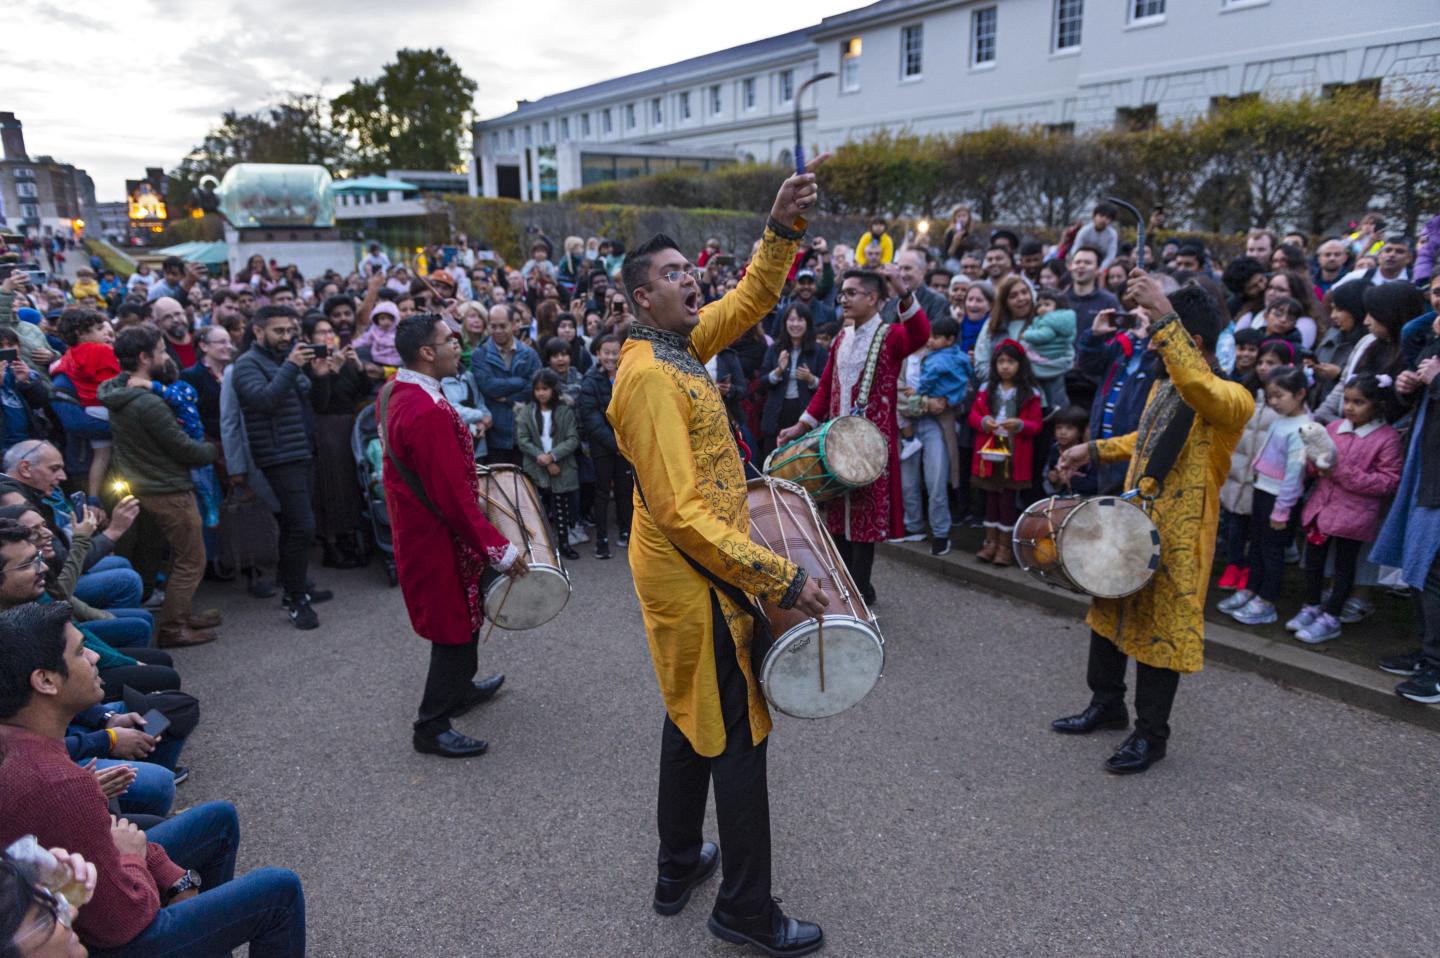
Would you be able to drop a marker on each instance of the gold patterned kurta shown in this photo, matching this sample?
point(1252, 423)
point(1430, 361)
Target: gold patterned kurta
point(670, 423)
point(1163, 625)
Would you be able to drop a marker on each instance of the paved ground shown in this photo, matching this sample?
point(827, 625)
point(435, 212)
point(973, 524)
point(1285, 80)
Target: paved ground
point(938, 818)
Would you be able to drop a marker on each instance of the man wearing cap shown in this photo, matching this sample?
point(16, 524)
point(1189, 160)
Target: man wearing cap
point(804, 294)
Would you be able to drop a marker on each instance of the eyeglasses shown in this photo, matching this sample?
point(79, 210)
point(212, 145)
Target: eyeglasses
point(37, 561)
point(852, 291)
point(453, 340)
point(676, 275)
point(53, 911)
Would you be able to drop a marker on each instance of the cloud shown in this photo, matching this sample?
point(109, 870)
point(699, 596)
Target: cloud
point(145, 84)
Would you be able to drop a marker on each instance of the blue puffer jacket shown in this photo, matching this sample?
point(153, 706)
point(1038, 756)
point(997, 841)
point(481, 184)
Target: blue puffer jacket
point(504, 387)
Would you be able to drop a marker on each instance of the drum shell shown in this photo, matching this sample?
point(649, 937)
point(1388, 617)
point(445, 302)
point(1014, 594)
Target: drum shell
point(783, 520)
point(1036, 545)
point(1105, 547)
point(810, 461)
point(512, 506)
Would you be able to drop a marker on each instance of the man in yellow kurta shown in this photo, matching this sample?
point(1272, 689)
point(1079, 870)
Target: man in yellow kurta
point(1163, 625)
point(695, 568)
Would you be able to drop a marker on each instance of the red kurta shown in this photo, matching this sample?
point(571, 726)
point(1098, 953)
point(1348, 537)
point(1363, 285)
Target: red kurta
point(877, 512)
point(439, 563)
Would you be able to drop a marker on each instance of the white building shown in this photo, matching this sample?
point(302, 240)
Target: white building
point(934, 66)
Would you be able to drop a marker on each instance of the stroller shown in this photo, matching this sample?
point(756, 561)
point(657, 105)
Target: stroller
point(367, 473)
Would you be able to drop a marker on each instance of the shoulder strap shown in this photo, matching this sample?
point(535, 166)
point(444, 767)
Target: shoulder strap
point(1168, 446)
point(872, 360)
point(401, 470)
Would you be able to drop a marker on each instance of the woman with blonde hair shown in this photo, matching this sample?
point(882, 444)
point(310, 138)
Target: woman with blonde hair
point(572, 265)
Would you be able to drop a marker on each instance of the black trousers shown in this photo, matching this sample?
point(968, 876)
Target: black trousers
point(293, 484)
point(860, 560)
point(1267, 549)
point(1430, 618)
point(447, 684)
point(1347, 558)
point(1154, 688)
point(497, 457)
point(613, 475)
point(155, 673)
point(742, 799)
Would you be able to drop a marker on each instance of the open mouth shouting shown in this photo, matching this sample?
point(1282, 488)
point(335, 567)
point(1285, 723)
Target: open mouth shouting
point(692, 302)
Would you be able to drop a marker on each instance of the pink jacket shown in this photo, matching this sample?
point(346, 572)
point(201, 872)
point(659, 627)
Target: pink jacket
point(1348, 502)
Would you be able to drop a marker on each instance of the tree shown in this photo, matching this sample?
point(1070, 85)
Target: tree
point(414, 116)
point(1399, 145)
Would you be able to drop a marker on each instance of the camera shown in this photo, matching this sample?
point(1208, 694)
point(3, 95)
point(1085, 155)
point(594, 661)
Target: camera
point(1124, 320)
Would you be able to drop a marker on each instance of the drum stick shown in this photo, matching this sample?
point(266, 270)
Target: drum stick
point(508, 586)
point(820, 647)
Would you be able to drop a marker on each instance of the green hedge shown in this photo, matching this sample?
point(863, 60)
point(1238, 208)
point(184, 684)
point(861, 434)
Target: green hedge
point(1310, 163)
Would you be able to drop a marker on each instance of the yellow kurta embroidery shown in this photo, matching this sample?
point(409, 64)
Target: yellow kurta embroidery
point(670, 423)
point(1163, 625)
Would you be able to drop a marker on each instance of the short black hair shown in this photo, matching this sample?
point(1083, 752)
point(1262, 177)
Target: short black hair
point(1099, 256)
point(32, 637)
point(335, 302)
point(415, 331)
point(1240, 271)
point(132, 343)
point(79, 320)
point(221, 295)
point(599, 341)
point(945, 326)
point(636, 270)
point(264, 314)
point(1192, 249)
point(8, 336)
point(1249, 336)
point(1031, 246)
point(1076, 416)
point(172, 262)
point(1106, 209)
point(949, 274)
point(554, 346)
point(1198, 313)
point(869, 278)
point(1009, 253)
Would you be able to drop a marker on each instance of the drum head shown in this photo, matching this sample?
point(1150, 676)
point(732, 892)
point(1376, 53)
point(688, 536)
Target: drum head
point(528, 602)
point(854, 659)
point(1109, 547)
point(855, 450)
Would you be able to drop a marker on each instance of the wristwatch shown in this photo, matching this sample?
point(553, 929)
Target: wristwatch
point(189, 880)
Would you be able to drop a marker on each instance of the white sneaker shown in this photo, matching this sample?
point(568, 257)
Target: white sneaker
point(1323, 629)
point(1255, 612)
point(577, 536)
point(156, 600)
point(1236, 600)
point(1307, 615)
point(909, 448)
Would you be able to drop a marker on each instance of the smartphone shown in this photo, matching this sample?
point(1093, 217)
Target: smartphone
point(724, 259)
point(156, 723)
point(9, 355)
point(320, 350)
point(77, 506)
point(6, 269)
point(1124, 320)
point(36, 277)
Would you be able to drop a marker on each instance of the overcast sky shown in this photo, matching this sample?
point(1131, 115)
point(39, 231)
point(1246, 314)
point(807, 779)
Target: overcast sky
point(117, 86)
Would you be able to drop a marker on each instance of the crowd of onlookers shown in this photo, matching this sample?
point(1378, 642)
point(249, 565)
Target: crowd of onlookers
point(169, 427)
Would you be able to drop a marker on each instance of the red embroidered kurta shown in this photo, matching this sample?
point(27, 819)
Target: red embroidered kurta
point(439, 563)
point(877, 512)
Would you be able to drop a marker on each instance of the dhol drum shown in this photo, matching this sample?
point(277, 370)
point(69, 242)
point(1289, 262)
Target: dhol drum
point(848, 452)
point(814, 668)
point(513, 508)
point(1102, 546)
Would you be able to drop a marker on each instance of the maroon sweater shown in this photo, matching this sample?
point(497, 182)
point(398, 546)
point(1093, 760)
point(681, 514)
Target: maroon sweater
point(43, 793)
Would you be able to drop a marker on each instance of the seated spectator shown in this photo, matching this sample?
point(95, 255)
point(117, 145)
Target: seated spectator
point(33, 913)
point(156, 456)
point(172, 890)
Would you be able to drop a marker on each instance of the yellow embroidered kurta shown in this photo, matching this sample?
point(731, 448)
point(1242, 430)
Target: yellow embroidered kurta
point(1163, 625)
point(670, 423)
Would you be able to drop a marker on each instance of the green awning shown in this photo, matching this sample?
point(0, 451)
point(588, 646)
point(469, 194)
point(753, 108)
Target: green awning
point(373, 184)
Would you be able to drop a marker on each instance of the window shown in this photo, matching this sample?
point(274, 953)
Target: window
point(1361, 89)
point(982, 36)
point(747, 93)
point(584, 126)
point(629, 116)
point(529, 136)
point(1146, 9)
point(510, 138)
point(25, 189)
point(912, 50)
point(685, 104)
point(494, 140)
point(850, 64)
point(24, 173)
point(1068, 14)
point(716, 105)
point(29, 211)
point(607, 125)
point(564, 129)
point(545, 132)
point(786, 85)
point(1134, 119)
point(657, 112)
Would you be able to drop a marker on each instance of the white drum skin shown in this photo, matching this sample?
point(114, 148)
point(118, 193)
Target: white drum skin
point(854, 662)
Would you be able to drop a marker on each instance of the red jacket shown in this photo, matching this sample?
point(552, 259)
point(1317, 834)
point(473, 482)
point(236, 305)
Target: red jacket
point(88, 365)
point(1022, 447)
point(439, 563)
point(1348, 502)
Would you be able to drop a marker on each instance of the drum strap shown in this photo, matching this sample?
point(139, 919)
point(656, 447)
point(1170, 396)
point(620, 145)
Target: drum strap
point(402, 470)
point(872, 360)
point(1168, 446)
point(761, 639)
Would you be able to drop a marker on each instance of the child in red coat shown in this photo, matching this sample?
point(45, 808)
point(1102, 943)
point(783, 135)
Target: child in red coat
point(89, 361)
point(1005, 416)
point(1346, 503)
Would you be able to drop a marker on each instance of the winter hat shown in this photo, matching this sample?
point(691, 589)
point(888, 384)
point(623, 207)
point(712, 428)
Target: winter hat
point(27, 315)
point(385, 308)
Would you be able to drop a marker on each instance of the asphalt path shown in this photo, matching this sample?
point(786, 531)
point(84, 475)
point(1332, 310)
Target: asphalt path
point(939, 817)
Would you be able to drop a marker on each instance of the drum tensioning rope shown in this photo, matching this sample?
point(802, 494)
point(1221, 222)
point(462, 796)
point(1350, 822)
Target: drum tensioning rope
point(799, 137)
point(785, 544)
point(1139, 229)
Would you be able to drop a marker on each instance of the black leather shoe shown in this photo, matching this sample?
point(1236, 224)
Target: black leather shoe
point(481, 691)
point(1136, 755)
point(775, 934)
point(671, 894)
point(1094, 717)
point(450, 744)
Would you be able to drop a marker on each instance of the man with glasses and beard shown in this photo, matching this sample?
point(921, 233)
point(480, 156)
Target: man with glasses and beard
point(443, 542)
point(694, 564)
